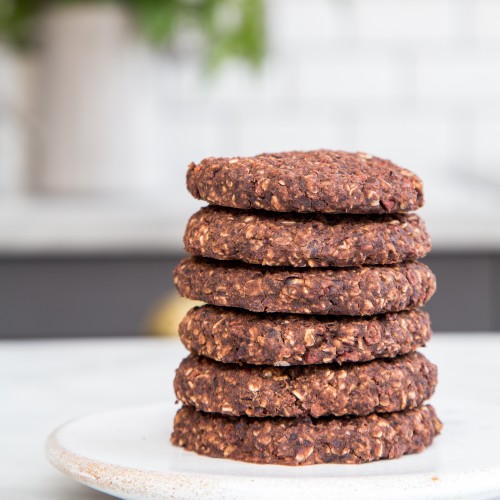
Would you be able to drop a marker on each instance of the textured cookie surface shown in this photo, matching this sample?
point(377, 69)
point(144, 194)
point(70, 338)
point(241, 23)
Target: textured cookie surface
point(350, 291)
point(379, 386)
point(237, 336)
point(306, 441)
point(299, 240)
point(313, 181)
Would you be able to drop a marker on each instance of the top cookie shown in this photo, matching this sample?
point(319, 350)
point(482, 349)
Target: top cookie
point(313, 181)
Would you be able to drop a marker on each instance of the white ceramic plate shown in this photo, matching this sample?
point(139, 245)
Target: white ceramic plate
point(127, 453)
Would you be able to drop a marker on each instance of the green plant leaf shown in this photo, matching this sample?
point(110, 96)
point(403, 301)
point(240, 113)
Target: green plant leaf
point(230, 28)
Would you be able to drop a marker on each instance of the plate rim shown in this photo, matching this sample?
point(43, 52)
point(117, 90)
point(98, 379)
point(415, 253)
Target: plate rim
point(122, 480)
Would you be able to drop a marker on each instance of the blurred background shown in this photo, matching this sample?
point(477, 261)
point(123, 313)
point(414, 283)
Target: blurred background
point(103, 105)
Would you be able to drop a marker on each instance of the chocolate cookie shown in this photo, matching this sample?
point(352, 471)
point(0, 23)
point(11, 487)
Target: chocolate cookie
point(237, 336)
point(300, 240)
point(314, 181)
point(379, 386)
point(306, 441)
point(350, 291)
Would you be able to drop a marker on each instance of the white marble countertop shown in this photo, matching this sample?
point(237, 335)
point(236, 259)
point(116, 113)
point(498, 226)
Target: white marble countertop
point(45, 383)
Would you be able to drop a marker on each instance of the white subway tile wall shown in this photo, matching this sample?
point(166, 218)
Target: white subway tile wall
point(408, 21)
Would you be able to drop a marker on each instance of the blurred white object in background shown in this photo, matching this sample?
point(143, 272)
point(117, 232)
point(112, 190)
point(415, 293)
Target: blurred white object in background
point(13, 116)
point(99, 125)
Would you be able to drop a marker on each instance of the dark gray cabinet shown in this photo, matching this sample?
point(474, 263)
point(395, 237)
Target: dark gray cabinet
point(111, 296)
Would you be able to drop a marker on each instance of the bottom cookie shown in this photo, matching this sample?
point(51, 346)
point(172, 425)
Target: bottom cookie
point(306, 441)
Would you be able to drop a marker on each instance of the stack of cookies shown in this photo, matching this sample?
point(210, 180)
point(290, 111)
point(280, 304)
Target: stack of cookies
point(306, 350)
